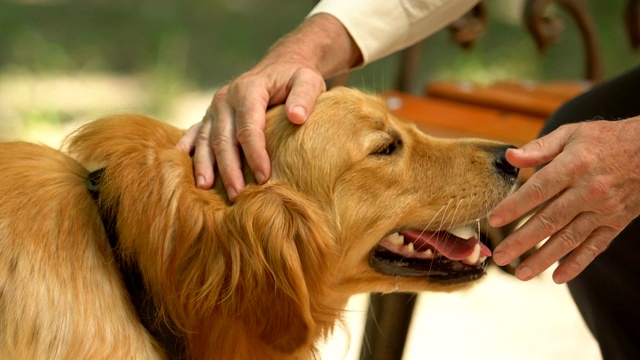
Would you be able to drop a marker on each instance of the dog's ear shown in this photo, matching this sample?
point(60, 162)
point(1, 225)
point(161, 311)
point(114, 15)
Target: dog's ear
point(287, 248)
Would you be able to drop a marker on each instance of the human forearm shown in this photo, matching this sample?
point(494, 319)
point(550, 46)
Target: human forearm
point(321, 43)
point(381, 27)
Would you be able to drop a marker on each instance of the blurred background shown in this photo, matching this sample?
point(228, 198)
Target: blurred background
point(64, 62)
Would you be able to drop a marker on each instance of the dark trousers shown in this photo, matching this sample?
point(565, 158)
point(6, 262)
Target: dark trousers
point(607, 292)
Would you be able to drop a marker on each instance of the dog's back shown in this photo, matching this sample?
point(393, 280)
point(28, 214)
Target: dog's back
point(49, 303)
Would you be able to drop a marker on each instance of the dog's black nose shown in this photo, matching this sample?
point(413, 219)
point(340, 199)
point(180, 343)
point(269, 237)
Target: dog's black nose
point(501, 163)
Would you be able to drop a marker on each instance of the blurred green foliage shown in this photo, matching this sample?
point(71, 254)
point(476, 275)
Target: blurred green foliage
point(206, 43)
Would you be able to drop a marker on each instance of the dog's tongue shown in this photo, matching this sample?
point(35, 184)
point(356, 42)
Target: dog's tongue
point(449, 245)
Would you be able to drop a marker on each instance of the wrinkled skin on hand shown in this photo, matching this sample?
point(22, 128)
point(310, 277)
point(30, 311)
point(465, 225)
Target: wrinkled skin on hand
point(292, 73)
point(590, 191)
point(236, 118)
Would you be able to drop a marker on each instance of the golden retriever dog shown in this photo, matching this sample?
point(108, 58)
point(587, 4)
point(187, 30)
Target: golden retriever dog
point(109, 251)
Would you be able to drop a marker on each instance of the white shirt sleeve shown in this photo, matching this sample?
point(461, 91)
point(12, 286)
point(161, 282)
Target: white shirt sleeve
point(381, 27)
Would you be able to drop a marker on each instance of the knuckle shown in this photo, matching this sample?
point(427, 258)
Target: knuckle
point(598, 189)
point(246, 133)
point(581, 162)
point(220, 97)
point(220, 143)
point(202, 138)
point(546, 223)
point(536, 193)
point(596, 248)
point(586, 254)
point(239, 85)
point(568, 241)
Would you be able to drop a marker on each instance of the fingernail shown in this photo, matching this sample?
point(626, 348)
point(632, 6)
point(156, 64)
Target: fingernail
point(559, 278)
point(500, 258)
point(523, 273)
point(299, 110)
point(200, 181)
point(260, 177)
point(232, 193)
point(495, 220)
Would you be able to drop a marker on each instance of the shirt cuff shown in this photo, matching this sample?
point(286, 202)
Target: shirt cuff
point(381, 27)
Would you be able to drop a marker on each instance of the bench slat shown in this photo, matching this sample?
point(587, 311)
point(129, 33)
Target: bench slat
point(526, 98)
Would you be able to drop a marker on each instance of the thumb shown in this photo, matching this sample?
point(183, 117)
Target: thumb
point(306, 86)
point(539, 151)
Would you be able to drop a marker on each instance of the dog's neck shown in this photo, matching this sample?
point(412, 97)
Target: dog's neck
point(244, 341)
point(141, 298)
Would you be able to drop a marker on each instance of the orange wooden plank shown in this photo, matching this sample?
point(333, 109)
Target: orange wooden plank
point(438, 117)
point(526, 98)
point(450, 119)
point(560, 90)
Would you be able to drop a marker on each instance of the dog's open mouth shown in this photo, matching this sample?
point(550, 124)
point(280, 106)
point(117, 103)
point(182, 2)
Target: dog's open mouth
point(452, 256)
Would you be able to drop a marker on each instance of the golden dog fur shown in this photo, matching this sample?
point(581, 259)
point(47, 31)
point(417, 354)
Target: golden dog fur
point(264, 278)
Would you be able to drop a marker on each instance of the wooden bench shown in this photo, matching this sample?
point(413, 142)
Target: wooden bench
point(528, 97)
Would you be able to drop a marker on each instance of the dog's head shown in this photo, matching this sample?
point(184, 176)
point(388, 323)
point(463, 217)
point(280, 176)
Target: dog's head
point(403, 206)
point(358, 201)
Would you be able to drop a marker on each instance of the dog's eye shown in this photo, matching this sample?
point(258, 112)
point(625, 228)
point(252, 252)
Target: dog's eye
point(389, 148)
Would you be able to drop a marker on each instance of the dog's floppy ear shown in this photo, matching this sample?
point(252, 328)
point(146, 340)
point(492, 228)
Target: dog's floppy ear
point(287, 245)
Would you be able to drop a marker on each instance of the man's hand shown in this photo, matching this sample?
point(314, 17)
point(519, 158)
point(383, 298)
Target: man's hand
point(236, 117)
point(591, 192)
point(292, 73)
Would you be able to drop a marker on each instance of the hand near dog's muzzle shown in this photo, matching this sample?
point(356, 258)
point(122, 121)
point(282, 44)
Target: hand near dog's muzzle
point(590, 190)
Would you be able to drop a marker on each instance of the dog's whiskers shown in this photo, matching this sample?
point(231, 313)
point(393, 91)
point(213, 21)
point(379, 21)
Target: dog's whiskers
point(443, 210)
point(453, 219)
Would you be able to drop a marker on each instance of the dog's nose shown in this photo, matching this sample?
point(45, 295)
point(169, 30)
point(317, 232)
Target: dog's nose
point(501, 163)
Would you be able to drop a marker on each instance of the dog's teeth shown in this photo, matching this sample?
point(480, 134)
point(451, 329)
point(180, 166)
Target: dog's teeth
point(427, 254)
point(464, 232)
point(475, 255)
point(396, 239)
point(410, 247)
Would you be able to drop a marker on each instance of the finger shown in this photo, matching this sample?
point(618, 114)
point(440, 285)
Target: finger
point(541, 150)
point(203, 159)
point(536, 190)
point(542, 186)
point(187, 142)
point(558, 245)
point(306, 86)
point(251, 108)
point(544, 223)
point(582, 256)
point(225, 148)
